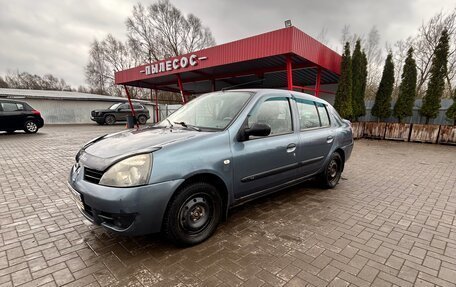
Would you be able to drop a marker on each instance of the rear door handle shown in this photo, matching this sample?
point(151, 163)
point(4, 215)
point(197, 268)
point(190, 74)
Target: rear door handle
point(330, 139)
point(291, 147)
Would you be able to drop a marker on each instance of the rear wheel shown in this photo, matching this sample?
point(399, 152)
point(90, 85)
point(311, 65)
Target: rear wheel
point(142, 119)
point(333, 171)
point(110, 120)
point(30, 127)
point(193, 214)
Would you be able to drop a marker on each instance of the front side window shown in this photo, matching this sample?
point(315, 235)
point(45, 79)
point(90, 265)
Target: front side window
point(308, 114)
point(213, 111)
point(124, 107)
point(275, 112)
point(114, 106)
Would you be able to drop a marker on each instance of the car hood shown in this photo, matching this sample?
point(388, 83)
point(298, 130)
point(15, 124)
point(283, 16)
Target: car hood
point(103, 151)
point(103, 110)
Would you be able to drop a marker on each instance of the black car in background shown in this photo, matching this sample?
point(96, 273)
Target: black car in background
point(119, 112)
point(17, 115)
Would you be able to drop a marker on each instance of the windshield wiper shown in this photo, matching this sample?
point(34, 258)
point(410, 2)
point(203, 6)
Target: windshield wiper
point(170, 123)
point(185, 125)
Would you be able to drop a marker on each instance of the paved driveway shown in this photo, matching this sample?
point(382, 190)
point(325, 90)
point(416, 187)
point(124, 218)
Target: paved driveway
point(390, 221)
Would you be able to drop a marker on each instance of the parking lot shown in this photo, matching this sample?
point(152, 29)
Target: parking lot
point(390, 221)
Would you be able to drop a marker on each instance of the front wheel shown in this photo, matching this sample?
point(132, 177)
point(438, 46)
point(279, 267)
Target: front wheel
point(193, 214)
point(30, 127)
point(110, 120)
point(332, 172)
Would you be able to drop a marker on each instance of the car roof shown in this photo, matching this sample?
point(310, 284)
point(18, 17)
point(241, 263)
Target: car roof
point(300, 95)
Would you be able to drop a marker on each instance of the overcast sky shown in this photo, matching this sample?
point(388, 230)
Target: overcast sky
point(53, 36)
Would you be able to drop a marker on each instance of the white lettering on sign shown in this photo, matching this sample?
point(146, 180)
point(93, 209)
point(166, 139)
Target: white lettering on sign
point(184, 62)
point(162, 67)
point(154, 69)
point(193, 60)
point(175, 64)
point(170, 65)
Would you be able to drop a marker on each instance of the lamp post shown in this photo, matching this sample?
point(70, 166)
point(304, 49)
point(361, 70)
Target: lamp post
point(151, 90)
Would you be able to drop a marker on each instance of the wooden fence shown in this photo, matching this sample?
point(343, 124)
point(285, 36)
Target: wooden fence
point(442, 134)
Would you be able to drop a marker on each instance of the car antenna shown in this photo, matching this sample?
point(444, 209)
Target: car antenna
point(242, 84)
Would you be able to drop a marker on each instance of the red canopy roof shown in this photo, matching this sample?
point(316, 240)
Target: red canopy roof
point(258, 61)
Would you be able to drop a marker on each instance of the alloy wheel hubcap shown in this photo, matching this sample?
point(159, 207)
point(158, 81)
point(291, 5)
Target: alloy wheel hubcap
point(31, 126)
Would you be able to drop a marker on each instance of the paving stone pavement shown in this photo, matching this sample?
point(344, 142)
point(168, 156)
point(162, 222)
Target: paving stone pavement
point(390, 221)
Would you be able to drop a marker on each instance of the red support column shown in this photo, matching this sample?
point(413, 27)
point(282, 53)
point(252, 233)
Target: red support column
point(289, 73)
point(131, 105)
point(157, 116)
point(181, 88)
point(317, 84)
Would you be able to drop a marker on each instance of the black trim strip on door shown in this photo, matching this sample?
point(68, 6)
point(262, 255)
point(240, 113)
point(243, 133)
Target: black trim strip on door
point(311, 161)
point(280, 169)
point(270, 172)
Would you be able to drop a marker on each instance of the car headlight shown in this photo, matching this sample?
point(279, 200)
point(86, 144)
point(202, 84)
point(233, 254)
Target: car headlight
point(132, 171)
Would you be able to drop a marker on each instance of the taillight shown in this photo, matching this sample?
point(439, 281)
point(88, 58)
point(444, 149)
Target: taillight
point(35, 112)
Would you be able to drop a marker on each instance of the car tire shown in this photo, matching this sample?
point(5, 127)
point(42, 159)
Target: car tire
point(193, 214)
point(30, 127)
point(142, 119)
point(332, 172)
point(110, 120)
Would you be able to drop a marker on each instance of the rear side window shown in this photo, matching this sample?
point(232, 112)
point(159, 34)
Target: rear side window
point(308, 114)
point(324, 118)
point(12, 107)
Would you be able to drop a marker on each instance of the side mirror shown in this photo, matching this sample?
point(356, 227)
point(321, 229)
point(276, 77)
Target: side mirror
point(257, 130)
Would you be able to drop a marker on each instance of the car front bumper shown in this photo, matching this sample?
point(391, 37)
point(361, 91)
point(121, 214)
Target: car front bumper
point(97, 119)
point(130, 211)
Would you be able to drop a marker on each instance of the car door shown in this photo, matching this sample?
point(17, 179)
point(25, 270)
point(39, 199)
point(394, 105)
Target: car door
point(12, 116)
point(122, 112)
point(261, 163)
point(316, 136)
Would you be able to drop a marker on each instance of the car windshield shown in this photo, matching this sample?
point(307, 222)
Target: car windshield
point(115, 106)
point(210, 111)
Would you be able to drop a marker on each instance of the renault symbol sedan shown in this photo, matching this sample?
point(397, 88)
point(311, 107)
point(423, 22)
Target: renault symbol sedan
point(181, 176)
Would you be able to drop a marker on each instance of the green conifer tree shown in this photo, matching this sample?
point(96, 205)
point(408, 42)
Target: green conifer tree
point(343, 101)
point(382, 105)
point(407, 89)
point(451, 112)
point(359, 76)
point(436, 86)
point(364, 76)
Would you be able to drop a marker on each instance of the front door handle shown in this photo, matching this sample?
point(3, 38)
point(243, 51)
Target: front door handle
point(291, 147)
point(329, 139)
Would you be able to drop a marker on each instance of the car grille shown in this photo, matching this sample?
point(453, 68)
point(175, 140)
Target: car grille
point(94, 113)
point(92, 175)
